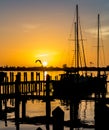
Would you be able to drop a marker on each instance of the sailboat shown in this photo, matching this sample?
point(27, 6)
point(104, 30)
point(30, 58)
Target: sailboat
point(73, 83)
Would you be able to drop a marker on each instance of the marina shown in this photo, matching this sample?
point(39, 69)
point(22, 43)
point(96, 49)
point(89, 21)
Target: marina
point(72, 97)
point(19, 90)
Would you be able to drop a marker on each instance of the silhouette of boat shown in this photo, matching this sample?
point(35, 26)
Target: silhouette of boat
point(76, 84)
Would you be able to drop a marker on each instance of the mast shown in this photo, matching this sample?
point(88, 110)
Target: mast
point(77, 39)
point(75, 46)
point(98, 41)
point(78, 57)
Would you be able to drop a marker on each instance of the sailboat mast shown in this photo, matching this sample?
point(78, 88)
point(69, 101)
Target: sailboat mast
point(75, 46)
point(77, 42)
point(98, 42)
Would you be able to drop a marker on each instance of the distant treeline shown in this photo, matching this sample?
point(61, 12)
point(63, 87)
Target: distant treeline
point(67, 69)
point(30, 68)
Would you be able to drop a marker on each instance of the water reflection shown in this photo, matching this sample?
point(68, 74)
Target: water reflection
point(37, 108)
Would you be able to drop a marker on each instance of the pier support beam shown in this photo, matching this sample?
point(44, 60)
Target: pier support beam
point(17, 100)
point(58, 119)
point(23, 109)
point(48, 107)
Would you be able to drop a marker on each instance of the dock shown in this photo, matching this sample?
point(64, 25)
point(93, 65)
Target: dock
point(23, 90)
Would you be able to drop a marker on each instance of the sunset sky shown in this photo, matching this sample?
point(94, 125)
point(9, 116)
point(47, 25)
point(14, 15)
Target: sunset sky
point(41, 29)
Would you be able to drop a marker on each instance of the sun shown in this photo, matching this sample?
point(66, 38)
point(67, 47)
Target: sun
point(45, 63)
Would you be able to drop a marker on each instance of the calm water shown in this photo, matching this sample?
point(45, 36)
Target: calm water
point(37, 108)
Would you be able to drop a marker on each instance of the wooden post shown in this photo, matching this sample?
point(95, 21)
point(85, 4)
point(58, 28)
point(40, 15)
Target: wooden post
point(1, 115)
point(56, 77)
point(0, 105)
point(5, 112)
point(32, 85)
point(24, 87)
point(101, 115)
point(6, 85)
point(58, 119)
point(48, 107)
point(0, 88)
point(11, 80)
point(17, 100)
point(23, 108)
point(38, 83)
point(74, 107)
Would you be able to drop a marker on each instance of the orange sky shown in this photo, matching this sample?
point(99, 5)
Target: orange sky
point(40, 30)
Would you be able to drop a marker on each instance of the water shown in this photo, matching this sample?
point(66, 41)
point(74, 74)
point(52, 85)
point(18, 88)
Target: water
point(37, 108)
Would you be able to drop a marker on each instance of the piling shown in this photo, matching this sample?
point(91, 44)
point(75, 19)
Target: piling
point(58, 119)
point(23, 108)
point(48, 107)
point(11, 81)
point(1, 109)
point(6, 89)
point(17, 100)
point(74, 119)
point(37, 83)
point(32, 85)
point(24, 87)
point(5, 113)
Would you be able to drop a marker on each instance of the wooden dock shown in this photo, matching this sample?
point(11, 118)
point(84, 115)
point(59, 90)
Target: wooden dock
point(21, 91)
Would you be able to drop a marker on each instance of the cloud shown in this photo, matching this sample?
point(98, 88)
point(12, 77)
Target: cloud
point(28, 27)
point(104, 31)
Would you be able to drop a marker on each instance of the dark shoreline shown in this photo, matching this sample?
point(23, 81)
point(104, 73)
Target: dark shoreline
point(67, 69)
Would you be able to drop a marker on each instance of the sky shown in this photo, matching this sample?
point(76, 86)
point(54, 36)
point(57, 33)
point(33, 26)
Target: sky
point(44, 30)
